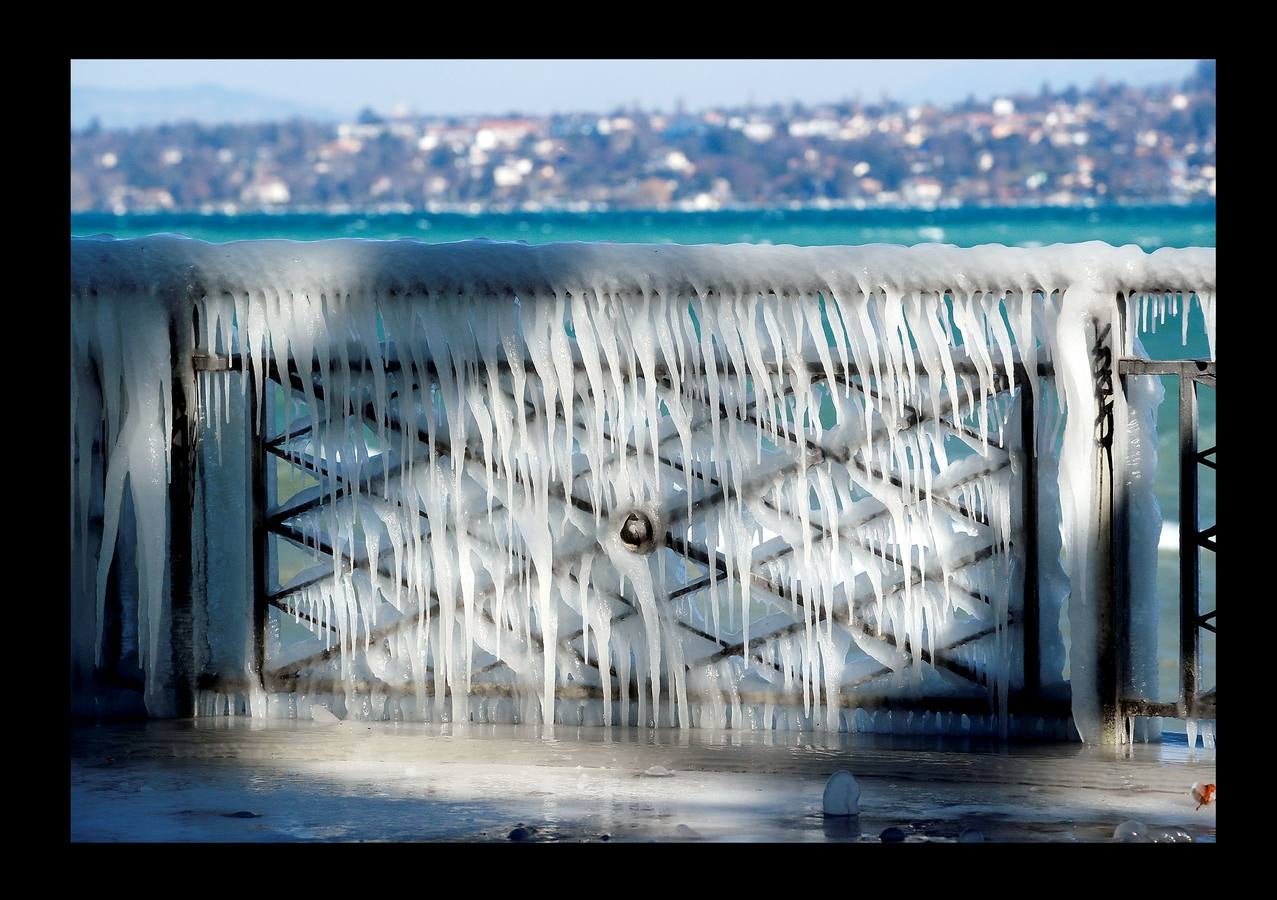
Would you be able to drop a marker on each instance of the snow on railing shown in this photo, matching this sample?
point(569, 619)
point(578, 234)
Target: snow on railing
point(765, 477)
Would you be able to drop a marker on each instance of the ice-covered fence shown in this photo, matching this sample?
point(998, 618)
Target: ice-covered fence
point(709, 486)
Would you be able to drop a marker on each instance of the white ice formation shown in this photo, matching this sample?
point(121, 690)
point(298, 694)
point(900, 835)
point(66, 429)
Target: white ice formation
point(1204, 727)
point(842, 795)
point(719, 485)
point(1131, 832)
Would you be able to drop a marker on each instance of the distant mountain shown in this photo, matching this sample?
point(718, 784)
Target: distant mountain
point(119, 108)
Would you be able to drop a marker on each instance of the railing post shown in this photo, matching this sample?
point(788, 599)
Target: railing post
point(258, 429)
point(183, 461)
point(1120, 579)
point(1110, 511)
point(1189, 702)
point(1189, 638)
point(1031, 611)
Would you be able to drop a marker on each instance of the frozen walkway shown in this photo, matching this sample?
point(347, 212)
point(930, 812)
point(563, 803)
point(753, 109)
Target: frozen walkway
point(185, 781)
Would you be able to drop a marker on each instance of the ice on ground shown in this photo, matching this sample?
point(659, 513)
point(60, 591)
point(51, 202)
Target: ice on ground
point(1131, 832)
point(480, 783)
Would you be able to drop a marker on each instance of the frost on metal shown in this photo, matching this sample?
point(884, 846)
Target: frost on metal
point(745, 486)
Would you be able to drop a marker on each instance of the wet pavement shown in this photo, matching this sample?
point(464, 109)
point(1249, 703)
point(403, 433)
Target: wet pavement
point(252, 780)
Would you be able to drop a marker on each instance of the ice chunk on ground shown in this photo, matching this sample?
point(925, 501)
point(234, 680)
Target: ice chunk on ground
point(842, 795)
point(323, 715)
point(1131, 832)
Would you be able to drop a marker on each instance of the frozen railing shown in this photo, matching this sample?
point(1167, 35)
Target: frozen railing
point(615, 484)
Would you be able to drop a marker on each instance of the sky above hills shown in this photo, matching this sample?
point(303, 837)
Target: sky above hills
point(128, 93)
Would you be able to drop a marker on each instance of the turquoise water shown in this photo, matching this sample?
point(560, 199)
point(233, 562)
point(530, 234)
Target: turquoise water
point(1148, 227)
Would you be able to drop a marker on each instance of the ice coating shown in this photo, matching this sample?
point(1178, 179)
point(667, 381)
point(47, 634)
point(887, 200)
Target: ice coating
point(842, 795)
point(483, 417)
point(1143, 396)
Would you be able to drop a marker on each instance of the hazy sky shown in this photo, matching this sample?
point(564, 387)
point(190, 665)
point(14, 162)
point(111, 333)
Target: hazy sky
point(542, 86)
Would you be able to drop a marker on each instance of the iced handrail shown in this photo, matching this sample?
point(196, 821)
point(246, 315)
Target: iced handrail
point(767, 340)
point(177, 267)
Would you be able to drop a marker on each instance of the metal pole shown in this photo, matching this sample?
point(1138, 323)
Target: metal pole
point(1189, 646)
point(181, 512)
point(1119, 539)
point(1107, 652)
point(257, 429)
point(1032, 612)
point(1120, 578)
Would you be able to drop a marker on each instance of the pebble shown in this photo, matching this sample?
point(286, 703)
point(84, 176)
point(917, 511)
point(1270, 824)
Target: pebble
point(658, 772)
point(892, 835)
point(522, 832)
point(971, 836)
point(242, 814)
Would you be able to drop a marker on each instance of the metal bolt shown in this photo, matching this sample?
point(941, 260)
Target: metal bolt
point(637, 533)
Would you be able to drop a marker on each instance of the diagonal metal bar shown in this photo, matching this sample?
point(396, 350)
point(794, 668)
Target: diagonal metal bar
point(915, 417)
point(844, 530)
point(405, 619)
point(822, 533)
point(289, 435)
point(846, 619)
point(817, 453)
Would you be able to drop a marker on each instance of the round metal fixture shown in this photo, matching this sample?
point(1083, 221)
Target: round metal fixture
point(637, 533)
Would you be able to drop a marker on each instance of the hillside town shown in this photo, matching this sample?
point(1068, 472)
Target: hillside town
point(1106, 144)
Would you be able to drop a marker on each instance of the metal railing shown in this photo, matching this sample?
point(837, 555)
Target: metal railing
point(1028, 698)
point(1192, 703)
point(279, 523)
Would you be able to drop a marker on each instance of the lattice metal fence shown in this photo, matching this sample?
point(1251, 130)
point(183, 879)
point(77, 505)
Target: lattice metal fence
point(958, 655)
